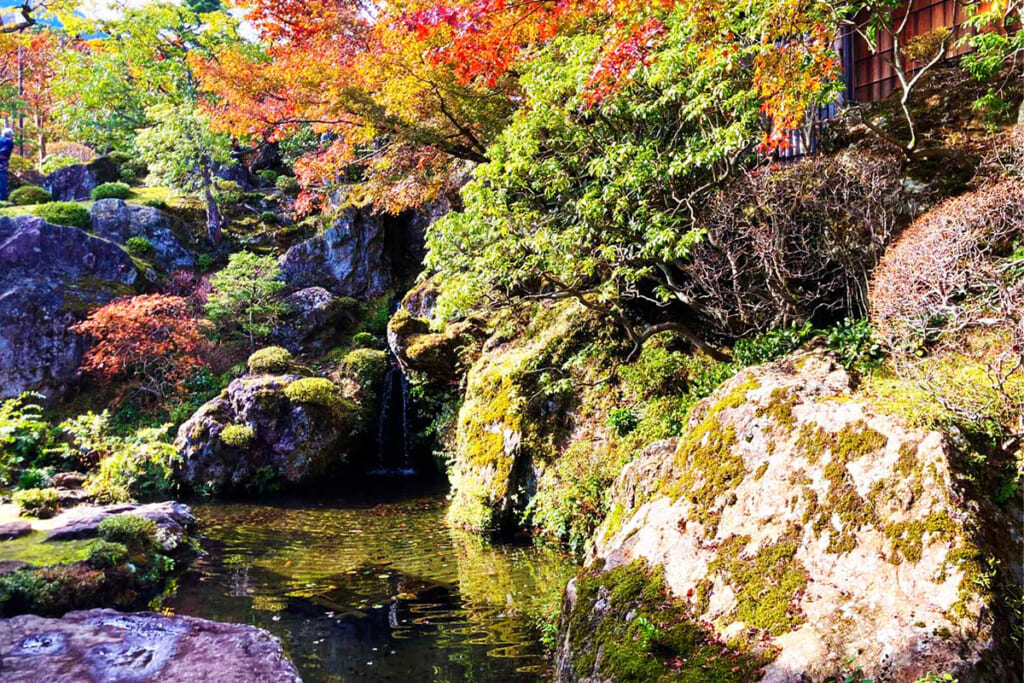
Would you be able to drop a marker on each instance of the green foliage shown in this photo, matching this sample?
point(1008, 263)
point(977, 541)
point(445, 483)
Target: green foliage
point(162, 205)
point(228, 192)
point(30, 194)
point(623, 420)
point(268, 217)
point(71, 214)
point(364, 339)
point(24, 433)
point(287, 184)
point(111, 191)
point(856, 344)
point(41, 503)
point(132, 531)
point(366, 366)
point(205, 262)
point(245, 296)
point(19, 164)
point(316, 391)
point(268, 177)
point(138, 246)
point(54, 162)
point(177, 136)
point(237, 436)
point(33, 478)
point(272, 360)
point(771, 345)
point(140, 467)
point(107, 554)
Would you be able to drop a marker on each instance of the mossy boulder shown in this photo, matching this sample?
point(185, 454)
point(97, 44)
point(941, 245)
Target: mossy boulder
point(440, 356)
point(297, 430)
point(820, 532)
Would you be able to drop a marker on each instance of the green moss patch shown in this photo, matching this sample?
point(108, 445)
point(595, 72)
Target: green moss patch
point(626, 627)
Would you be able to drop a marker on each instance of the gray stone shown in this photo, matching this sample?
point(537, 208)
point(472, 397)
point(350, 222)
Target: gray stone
point(97, 646)
point(174, 522)
point(315, 318)
point(76, 183)
point(13, 530)
point(295, 443)
point(118, 222)
point(51, 276)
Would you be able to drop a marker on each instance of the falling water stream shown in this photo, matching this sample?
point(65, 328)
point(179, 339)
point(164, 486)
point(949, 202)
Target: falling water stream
point(393, 450)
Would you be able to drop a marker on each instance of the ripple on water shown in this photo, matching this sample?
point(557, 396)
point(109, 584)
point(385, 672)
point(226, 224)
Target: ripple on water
point(375, 592)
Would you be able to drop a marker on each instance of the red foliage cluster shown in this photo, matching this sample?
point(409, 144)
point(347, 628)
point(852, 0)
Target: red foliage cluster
point(153, 341)
point(941, 274)
point(622, 55)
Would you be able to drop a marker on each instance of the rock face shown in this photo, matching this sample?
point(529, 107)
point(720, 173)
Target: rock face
point(314, 319)
point(174, 522)
point(50, 277)
point(75, 183)
point(795, 517)
point(116, 221)
point(274, 436)
point(435, 354)
point(104, 645)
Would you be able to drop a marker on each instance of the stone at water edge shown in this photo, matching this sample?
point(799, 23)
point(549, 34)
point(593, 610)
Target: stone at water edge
point(51, 276)
point(174, 522)
point(792, 510)
point(295, 443)
point(97, 646)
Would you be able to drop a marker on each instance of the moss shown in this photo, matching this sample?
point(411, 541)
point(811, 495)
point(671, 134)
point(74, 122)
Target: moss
point(708, 468)
point(759, 474)
point(237, 436)
point(271, 360)
point(613, 524)
point(857, 440)
point(36, 550)
point(780, 408)
point(766, 584)
point(366, 366)
point(131, 530)
point(627, 628)
point(813, 441)
point(736, 397)
point(908, 537)
point(317, 391)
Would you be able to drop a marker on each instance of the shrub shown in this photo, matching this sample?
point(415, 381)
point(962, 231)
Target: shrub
point(74, 150)
point(245, 295)
point(940, 277)
point(366, 366)
point(794, 243)
point(54, 162)
point(71, 214)
point(268, 217)
point(153, 341)
point(287, 184)
point(623, 420)
point(141, 468)
point(33, 478)
point(228, 192)
point(30, 194)
point(41, 503)
point(364, 339)
point(237, 436)
point(135, 533)
point(156, 204)
point(268, 177)
point(138, 246)
point(19, 164)
point(316, 391)
point(111, 191)
point(272, 360)
point(132, 171)
point(107, 555)
point(24, 434)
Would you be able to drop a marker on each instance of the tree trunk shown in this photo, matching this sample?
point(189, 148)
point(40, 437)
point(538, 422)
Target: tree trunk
point(214, 221)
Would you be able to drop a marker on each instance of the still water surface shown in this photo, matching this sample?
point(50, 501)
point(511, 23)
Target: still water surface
point(375, 591)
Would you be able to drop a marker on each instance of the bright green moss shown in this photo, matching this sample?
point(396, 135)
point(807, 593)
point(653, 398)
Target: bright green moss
point(643, 634)
point(41, 503)
point(272, 360)
point(237, 436)
point(908, 537)
point(767, 584)
point(813, 441)
point(736, 397)
point(35, 550)
point(366, 366)
point(316, 391)
point(780, 408)
point(708, 468)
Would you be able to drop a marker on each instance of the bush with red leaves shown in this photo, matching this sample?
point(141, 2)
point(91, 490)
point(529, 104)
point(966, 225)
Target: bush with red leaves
point(943, 274)
point(153, 342)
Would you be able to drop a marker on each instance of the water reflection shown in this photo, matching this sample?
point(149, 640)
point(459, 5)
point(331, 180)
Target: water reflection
point(375, 592)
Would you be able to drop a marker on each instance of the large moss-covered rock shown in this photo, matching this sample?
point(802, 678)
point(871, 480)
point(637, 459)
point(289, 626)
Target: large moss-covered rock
point(792, 516)
point(438, 355)
point(51, 276)
point(118, 222)
point(299, 429)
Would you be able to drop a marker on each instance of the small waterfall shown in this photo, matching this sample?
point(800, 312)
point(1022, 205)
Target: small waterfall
point(393, 452)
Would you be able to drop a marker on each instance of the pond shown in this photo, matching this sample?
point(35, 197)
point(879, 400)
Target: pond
point(381, 591)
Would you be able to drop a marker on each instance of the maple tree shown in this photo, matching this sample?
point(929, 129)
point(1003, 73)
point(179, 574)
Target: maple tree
point(27, 70)
point(151, 341)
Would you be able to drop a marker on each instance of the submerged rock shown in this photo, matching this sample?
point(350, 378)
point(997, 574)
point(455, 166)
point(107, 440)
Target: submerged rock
point(104, 645)
point(76, 183)
point(797, 519)
point(118, 222)
point(51, 276)
point(266, 430)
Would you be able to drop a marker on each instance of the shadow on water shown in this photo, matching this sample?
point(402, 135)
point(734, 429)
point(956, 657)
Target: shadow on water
point(372, 591)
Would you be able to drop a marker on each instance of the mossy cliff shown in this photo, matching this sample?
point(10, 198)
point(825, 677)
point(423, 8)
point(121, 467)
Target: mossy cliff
point(820, 534)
